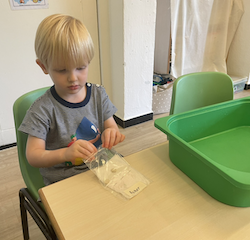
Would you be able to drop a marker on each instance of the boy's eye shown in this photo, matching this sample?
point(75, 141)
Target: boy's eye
point(81, 68)
point(60, 70)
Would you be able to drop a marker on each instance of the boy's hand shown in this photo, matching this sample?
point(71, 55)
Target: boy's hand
point(111, 137)
point(39, 157)
point(80, 149)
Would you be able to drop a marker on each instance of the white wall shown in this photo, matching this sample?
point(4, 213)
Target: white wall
point(18, 70)
point(104, 44)
point(132, 36)
point(116, 23)
point(139, 39)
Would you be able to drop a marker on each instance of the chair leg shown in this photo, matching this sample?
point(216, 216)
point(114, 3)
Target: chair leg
point(28, 204)
point(24, 219)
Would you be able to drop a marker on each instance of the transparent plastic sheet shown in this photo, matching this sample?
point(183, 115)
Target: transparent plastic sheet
point(202, 32)
point(116, 174)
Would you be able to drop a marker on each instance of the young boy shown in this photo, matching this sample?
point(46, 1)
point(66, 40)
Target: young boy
point(73, 117)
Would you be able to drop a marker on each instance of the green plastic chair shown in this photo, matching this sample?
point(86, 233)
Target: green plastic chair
point(200, 89)
point(31, 175)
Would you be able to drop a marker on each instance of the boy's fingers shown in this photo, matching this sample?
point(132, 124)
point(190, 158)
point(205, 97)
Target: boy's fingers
point(86, 149)
point(119, 138)
point(111, 138)
point(106, 139)
point(123, 137)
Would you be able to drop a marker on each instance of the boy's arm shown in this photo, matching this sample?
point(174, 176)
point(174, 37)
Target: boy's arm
point(38, 156)
point(111, 136)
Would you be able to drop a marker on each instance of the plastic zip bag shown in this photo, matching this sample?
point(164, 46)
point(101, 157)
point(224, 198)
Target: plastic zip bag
point(115, 173)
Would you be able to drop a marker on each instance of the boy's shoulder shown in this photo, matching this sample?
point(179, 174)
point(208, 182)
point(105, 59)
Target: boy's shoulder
point(95, 86)
point(97, 89)
point(43, 100)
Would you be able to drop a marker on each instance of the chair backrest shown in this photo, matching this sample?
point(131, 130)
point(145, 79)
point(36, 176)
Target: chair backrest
point(201, 89)
point(31, 175)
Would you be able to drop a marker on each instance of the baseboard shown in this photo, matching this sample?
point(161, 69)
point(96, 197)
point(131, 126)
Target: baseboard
point(133, 121)
point(7, 146)
point(247, 86)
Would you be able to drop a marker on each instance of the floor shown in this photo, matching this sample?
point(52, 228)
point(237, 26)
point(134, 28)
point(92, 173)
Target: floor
point(138, 137)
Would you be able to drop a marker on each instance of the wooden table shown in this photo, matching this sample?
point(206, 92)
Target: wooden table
point(171, 207)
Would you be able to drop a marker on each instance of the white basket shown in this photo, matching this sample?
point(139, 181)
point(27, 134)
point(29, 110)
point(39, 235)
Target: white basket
point(239, 83)
point(162, 96)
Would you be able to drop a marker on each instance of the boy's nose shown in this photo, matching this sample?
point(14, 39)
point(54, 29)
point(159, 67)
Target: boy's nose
point(72, 77)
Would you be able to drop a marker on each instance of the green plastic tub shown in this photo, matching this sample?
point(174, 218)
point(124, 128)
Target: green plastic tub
point(210, 145)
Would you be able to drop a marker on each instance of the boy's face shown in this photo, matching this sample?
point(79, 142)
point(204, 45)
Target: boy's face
point(70, 82)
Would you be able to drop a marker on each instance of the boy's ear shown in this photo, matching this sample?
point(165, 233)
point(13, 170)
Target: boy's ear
point(42, 66)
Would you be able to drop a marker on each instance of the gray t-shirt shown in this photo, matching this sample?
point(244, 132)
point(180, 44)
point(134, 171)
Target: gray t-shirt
point(55, 120)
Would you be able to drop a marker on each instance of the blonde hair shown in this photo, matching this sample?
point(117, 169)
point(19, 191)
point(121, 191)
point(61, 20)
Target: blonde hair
point(64, 38)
